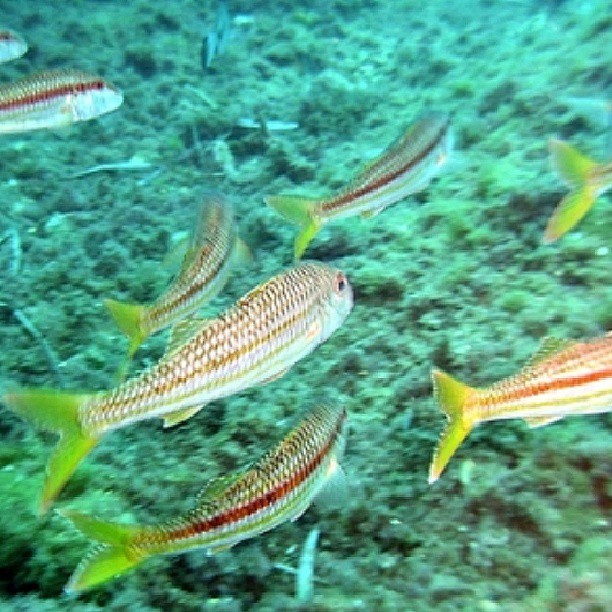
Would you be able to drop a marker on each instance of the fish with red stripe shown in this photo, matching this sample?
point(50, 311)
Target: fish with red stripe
point(54, 99)
point(253, 342)
point(564, 378)
point(278, 488)
point(406, 167)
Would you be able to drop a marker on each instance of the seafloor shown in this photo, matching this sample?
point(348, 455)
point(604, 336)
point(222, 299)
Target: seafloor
point(455, 276)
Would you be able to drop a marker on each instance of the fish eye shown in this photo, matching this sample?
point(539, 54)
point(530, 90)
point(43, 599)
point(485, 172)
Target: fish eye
point(341, 282)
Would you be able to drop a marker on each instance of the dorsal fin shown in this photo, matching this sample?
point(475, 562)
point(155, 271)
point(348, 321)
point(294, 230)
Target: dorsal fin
point(548, 347)
point(214, 487)
point(183, 331)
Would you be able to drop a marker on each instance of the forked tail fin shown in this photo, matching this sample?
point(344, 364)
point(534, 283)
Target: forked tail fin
point(113, 557)
point(56, 412)
point(452, 396)
point(298, 210)
point(574, 168)
point(128, 318)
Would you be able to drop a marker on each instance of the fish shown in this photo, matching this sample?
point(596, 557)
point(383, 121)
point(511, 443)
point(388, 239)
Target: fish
point(253, 342)
point(278, 488)
point(587, 180)
point(564, 378)
point(204, 271)
point(53, 99)
point(406, 167)
point(12, 46)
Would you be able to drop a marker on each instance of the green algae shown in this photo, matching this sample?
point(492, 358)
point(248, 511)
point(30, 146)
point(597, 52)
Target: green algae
point(455, 276)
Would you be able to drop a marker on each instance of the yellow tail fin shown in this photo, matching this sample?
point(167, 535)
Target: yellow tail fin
point(574, 168)
point(56, 412)
point(452, 396)
point(128, 318)
point(114, 557)
point(298, 210)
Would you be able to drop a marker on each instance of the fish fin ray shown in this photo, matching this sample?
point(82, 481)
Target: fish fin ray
point(297, 209)
point(572, 208)
point(128, 318)
point(300, 211)
point(112, 558)
point(572, 166)
point(182, 332)
point(304, 238)
point(215, 487)
point(452, 395)
point(548, 347)
point(57, 412)
point(178, 416)
point(534, 422)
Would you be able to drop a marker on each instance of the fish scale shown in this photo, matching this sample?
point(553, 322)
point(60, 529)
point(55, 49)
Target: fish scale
point(404, 168)
point(215, 239)
point(204, 272)
point(55, 98)
point(278, 488)
point(564, 378)
point(253, 342)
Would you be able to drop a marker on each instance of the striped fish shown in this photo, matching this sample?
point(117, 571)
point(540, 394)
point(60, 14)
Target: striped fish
point(203, 274)
point(587, 180)
point(278, 488)
point(255, 341)
point(53, 99)
point(564, 378)
point(406, 167)
point(12, 46)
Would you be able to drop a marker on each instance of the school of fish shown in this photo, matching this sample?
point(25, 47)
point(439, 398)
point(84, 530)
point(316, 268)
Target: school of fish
point(256, 341)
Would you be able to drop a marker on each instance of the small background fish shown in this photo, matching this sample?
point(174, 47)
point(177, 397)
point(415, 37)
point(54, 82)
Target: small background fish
point(564, 378)
point(204, 272)
point(53, 99)
point(406, 167)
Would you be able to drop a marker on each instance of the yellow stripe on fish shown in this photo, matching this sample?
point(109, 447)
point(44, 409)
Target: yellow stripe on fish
point(278, 488)
point(564, 378)
point(255, 341)
point(204, 272)
point(587, 179)
point(406, 167)
point(53, 99)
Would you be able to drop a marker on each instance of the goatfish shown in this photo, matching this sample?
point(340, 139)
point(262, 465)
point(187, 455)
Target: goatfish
point(564, 378)
point(12, 46)
point(278, 488)
point(255, 341)
point(406, 167)
point(587, 180)
point(204, 272)
point(54, 99)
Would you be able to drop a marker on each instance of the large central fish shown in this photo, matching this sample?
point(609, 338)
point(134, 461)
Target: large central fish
point(54, 99)
point(564, 378)
point(406, 167)
point(254, 342)
point(278, 488)
point(204, 271)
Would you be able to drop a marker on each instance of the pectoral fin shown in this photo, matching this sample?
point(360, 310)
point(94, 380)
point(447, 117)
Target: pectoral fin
point(534, 422)
point(174, 418)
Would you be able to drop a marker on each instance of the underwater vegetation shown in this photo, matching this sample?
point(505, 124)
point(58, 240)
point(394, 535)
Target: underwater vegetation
point(453, 274)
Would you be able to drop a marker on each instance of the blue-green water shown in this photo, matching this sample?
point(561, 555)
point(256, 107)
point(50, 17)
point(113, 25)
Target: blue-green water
point(455, 276)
